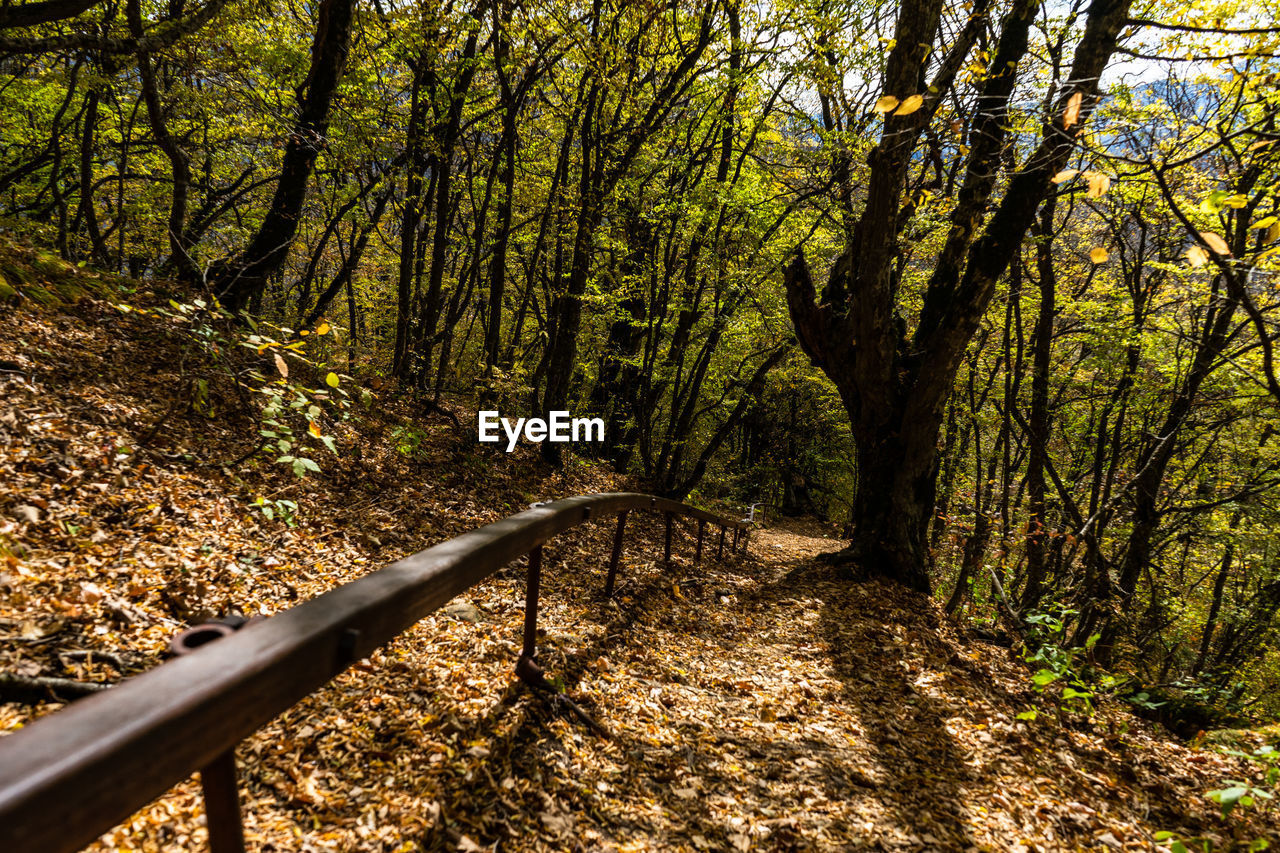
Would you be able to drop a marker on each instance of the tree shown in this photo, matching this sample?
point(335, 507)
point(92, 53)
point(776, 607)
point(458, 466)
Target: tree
point(237, 279)
point(895, 384)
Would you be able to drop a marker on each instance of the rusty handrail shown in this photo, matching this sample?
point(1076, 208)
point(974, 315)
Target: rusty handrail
point(67, 778)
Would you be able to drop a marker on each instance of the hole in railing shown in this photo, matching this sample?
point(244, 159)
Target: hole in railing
point(193, 638)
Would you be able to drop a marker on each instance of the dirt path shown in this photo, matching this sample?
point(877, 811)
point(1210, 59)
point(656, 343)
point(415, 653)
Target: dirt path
point(772, 706)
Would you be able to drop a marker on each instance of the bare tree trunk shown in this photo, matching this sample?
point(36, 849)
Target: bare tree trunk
point(238, 279)
point(1038, 420)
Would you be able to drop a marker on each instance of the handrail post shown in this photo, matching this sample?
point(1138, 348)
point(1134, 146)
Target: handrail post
point(222, 804)
point(617, 554)
point(720, 547)
point(218, 777)
point(737, 531)
point(702, 527)
point(530, 650)
point(667, 548)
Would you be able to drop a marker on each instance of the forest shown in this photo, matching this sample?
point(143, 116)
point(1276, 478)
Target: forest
point(985, 292)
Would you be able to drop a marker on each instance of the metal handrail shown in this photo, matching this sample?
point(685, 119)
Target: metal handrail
point(67, 778)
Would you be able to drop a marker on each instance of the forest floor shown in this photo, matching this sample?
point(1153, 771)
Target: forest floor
point(757, 702)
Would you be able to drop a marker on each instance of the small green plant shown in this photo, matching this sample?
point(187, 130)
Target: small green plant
point(289, 412)
point(1057, 662)
point(409, 439)
point(1236, 794)
point(1175, 843)
point(1142, 699)
point(285, 510)
point(1247, 794)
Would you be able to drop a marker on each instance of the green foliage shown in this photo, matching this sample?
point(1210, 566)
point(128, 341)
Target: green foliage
point(1235, 794)
point(1058, 663)
point(1245, 794)
point(408, 439)
point(1178, 844)
point(288, 413)
point(278, 508)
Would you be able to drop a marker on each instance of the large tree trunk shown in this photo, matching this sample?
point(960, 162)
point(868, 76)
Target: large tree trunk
point(894, 385)
point(897, 476)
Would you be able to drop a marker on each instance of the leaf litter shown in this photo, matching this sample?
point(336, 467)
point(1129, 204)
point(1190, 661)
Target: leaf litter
point(754, 703)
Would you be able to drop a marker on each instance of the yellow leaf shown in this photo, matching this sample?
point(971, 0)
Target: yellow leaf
point(1098, 184)
point(910, 105)
point(323, 328)
point(331, 380)
point(885, 104)
point(1071, 115)
point(314, 430)
point(1237, 201)
point(281, 366)
point(1197, 256)
point(1065, 175)
point(1099, 255)
point(1215, 242)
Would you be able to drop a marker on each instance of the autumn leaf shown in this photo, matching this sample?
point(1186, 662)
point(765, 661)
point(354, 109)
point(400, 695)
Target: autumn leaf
point(331, 380)
point(1071, 115)
point(1215, 242)
point(886, 103)
point(1098, 184)
point(1065, 175)
point(910, 105)
point(281, 366)
point(1197, 257)
point(323, 328)
point(1099, 255)
point(314, 430)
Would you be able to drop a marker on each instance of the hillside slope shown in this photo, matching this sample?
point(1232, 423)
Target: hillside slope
point(758, 703)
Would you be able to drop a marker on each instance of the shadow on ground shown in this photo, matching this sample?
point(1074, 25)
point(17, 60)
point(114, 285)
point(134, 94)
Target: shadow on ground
point(758, 704)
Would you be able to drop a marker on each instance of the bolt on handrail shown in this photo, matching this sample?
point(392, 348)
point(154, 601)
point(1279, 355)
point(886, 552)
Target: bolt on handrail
point(67, 778)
